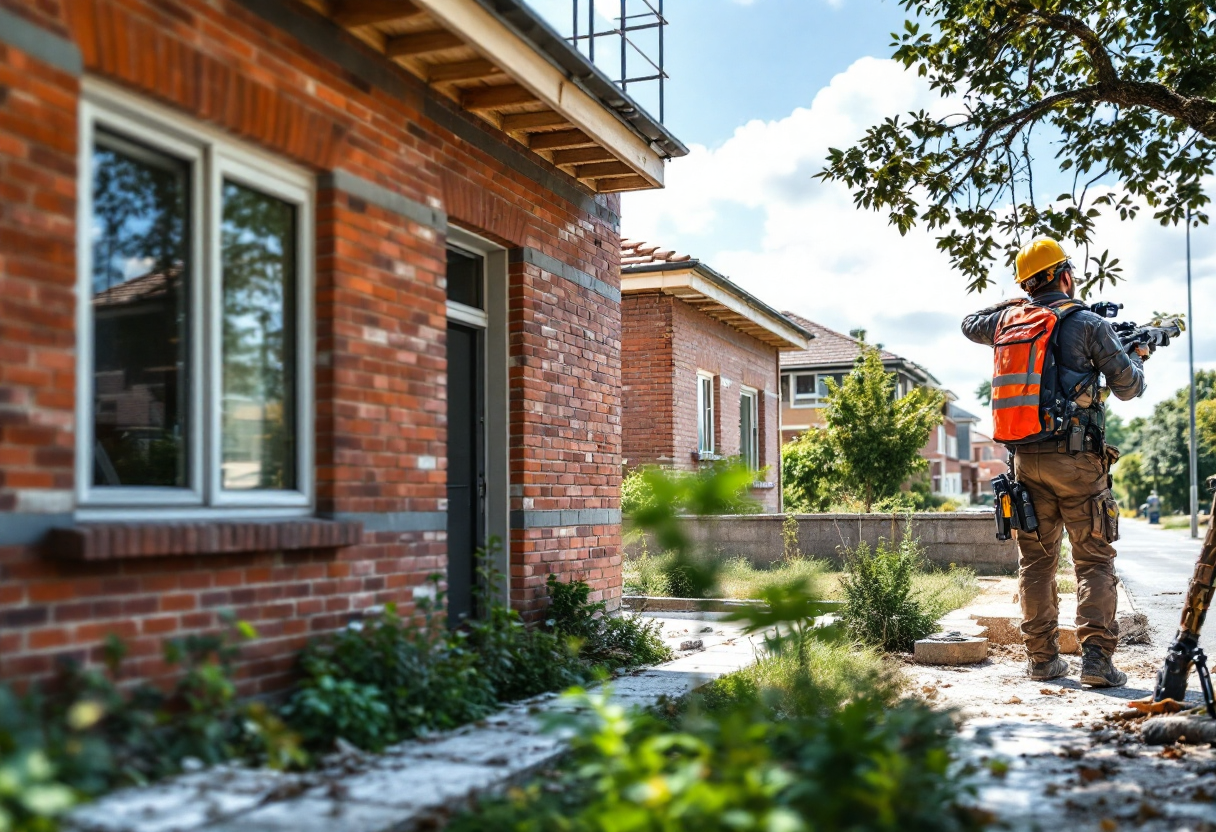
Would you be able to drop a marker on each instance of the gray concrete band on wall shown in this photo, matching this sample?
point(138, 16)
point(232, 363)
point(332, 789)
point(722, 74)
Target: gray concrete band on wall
point(961, 538)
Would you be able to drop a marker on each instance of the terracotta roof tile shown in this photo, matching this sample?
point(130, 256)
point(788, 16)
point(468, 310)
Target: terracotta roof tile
point(640, 253)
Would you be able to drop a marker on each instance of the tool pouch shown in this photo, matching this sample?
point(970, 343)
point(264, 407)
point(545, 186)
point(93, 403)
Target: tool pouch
point(1105, 511)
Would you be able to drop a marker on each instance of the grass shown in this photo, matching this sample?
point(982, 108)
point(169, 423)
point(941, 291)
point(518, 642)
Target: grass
point(1180, 521)
point(942, 590)
point(838, 670)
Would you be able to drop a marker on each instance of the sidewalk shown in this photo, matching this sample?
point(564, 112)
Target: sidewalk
point(412, 784)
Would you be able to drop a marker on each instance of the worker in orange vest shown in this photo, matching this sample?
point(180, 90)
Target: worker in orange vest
point(1055, 362)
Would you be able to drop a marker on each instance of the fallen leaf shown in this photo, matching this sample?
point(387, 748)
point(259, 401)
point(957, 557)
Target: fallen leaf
point(1089, 775)
point(1171, 752)
point(1108, 825)
point(1013, 700)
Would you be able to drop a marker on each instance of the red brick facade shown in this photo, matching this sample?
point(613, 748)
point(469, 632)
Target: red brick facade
point(379, 305)
point(666, 342)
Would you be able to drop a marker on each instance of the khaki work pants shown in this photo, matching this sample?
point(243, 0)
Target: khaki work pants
point(1069, 492)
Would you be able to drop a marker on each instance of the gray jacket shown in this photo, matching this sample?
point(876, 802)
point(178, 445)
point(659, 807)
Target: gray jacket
point(1088, 346)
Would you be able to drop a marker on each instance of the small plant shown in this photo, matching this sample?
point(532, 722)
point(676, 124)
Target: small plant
point(612, 641)
point(789, 538)
point(645, 574)
point(327, 706)
point(880, 608)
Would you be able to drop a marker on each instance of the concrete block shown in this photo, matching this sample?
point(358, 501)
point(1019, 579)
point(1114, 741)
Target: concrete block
point(951, 648)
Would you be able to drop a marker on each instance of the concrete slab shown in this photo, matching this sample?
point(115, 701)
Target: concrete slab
point(950, 649)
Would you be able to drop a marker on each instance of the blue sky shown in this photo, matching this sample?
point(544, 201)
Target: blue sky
point(759, 90)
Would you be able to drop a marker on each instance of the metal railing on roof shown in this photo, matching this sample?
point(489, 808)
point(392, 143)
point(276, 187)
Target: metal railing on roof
point(629, 24)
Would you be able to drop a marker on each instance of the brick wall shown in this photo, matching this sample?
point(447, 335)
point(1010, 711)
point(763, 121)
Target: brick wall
point(646, 343)
point(380, 328)
point(674, 342)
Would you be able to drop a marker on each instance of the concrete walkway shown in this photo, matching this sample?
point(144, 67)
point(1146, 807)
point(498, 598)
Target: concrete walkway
point(1156, 565)
point(415, 784)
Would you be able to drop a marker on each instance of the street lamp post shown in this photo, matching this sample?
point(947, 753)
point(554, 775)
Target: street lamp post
point(1190, 329)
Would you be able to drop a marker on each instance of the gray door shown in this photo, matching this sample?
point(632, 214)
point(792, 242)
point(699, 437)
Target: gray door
point(466, 467)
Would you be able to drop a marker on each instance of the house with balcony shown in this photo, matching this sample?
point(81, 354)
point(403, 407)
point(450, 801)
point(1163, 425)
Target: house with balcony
point(700, 368)
point(305, 301)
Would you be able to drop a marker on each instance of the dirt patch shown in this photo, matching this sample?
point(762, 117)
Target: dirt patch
point(1045, 755)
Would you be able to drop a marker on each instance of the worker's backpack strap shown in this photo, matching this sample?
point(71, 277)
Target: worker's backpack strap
point(1027, 402)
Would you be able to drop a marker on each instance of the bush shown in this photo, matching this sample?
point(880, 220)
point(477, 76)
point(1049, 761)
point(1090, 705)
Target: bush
point(612, 641)
point(427, 678)
point(880, 608)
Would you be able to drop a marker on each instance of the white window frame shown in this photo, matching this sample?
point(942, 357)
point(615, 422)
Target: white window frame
point(750, 445)
point(951, 447)
point(804, 400)
point(705, 412)
point(214, 158)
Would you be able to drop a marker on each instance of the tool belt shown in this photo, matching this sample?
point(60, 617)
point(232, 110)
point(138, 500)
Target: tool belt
point(1084, 431)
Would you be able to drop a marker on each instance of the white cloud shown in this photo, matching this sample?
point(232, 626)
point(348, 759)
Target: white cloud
point(845, 268)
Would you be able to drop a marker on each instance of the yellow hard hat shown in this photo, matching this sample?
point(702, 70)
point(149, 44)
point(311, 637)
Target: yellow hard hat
point(1038, 255)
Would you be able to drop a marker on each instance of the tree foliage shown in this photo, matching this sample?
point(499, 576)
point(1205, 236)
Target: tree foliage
point(808, 473)
point(873, 440)
point(1125, 90)
point(1205, 415)
point(1163, 443)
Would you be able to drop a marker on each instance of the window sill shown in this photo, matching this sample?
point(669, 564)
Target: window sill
point(707, 456)
point(763, 486)
point(115, 541)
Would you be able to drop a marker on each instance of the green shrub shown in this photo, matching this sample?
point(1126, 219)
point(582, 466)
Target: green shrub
point(880, 608)
point(32, 794)
point(327, 706)
point(427, 677)
point(612, 641)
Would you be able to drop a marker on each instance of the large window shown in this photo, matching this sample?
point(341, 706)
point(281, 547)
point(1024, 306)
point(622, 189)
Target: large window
point(194, 377)
point(749, 429)
point(705, 413)
point(807, 389)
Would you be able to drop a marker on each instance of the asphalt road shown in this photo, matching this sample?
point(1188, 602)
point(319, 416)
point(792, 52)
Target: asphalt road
point(1156, 565)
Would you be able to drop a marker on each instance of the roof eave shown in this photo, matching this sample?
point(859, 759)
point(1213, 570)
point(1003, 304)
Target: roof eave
point(786, 335)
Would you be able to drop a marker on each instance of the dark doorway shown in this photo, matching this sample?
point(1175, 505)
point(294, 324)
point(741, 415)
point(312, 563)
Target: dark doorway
point(466, 467)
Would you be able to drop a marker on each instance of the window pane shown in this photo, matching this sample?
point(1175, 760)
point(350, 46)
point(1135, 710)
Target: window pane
point(464, 278)
point(821, 387)
point(804, 385)
point(258, 245)
point(140, 307)
point(746, 418)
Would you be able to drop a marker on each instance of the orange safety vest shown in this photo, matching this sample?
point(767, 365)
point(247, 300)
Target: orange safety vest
point(1027, 402)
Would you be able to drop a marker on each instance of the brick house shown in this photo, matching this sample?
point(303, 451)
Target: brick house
point(989, 457)
point(952, 472)
point(350, 306)
point(700, 368)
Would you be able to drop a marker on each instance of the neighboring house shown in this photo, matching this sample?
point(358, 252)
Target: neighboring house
point(831, 354)
point(952, 472)
point(349, 308)
point(700, 368)
point(990, 458)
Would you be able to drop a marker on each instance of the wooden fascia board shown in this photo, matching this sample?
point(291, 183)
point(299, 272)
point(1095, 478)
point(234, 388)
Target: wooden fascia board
point(496, 42)
point(686, 283)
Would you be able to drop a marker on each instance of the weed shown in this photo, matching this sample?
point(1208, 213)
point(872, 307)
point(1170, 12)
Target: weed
point(789, 538)
point(880, 608)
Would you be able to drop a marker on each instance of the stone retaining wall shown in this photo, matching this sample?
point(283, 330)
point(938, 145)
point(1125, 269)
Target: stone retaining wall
point(963, 538)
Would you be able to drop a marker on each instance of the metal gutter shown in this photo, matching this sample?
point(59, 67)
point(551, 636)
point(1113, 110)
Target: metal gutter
point(518, 16)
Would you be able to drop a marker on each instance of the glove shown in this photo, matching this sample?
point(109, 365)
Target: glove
point(1143, 351)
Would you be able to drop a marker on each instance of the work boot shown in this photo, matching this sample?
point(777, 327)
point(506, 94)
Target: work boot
point(1050, 669)
point(1097, 670)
